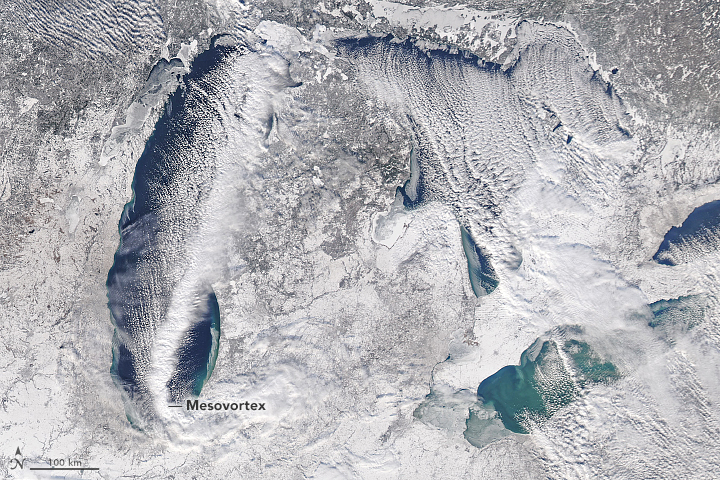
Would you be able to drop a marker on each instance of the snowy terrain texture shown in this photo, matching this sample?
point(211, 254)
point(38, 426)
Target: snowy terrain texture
point(431, 241)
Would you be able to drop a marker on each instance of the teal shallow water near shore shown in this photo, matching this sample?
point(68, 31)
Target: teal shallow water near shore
point(532, 391)
point(172, 181)
point(197, 352)
point(551, 375)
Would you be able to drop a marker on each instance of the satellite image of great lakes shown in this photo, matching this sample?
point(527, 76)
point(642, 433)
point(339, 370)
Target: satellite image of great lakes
point(168, 190)
point(359, 239)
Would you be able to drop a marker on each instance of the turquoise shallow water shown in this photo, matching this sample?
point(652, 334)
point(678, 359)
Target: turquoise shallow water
point(534, 390)
point(197, 353)
point(589, 367)
point(542, 384)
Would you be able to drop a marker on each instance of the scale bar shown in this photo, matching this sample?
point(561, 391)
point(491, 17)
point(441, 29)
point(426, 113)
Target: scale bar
point(64, 468)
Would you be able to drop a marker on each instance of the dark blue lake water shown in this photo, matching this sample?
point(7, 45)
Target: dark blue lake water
point(197, 352)
point(701, 226)
point(483, 278)
point(173, 176)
